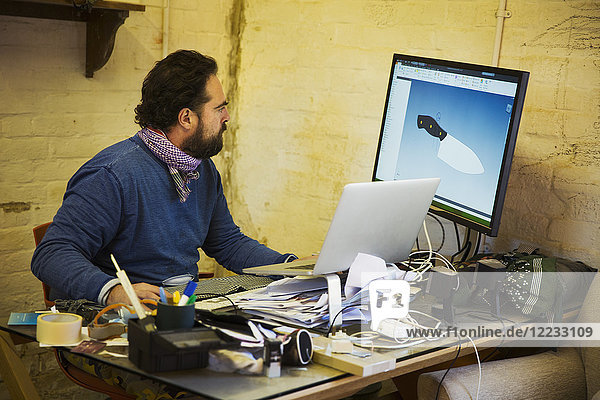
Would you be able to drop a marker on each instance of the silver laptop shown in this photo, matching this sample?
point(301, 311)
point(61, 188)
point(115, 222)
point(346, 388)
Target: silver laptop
point(378, 218)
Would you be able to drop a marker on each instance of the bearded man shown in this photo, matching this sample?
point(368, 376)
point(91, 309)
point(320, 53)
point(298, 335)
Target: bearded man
point(153, 199)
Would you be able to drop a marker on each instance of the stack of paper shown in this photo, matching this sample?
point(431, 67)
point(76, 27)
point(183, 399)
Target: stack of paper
point(298, 301)
point(303, 301)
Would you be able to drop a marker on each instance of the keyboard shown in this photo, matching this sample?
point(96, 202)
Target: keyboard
point(213, 304)
point(226, 285)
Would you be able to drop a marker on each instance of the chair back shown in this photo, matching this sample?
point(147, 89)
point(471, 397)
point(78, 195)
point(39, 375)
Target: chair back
point(38, 233)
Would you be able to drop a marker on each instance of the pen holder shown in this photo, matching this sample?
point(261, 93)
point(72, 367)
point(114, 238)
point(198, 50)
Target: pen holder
point(173, 317)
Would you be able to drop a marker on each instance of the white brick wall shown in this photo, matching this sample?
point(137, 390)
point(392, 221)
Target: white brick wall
point(312, 86)
point(52, 119)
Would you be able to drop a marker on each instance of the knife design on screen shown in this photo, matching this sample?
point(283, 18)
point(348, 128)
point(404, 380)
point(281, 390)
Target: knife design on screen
point(452, 151)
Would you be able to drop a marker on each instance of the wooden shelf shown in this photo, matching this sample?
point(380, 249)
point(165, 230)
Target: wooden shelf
point(102, 18)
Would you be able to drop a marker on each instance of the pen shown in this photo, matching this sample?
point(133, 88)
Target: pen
point(189, 291)
point(163, 296)
point(176, 298)
point(192, 299)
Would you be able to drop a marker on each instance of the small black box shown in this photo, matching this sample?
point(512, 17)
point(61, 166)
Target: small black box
point(159, 351)
point(442, 282)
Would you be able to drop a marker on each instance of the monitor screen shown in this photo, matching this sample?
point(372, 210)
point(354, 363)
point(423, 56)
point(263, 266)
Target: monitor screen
point(458, 122)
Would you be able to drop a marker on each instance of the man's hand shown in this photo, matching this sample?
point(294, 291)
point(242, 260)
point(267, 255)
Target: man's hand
point(143, 291)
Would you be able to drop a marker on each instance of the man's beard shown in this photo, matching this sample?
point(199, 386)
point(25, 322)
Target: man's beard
point(201, 147)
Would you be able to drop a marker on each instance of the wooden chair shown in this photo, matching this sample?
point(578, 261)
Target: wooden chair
point(38, 233)
point(75, 374)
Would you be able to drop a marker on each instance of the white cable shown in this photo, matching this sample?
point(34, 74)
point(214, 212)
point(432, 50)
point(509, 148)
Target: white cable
point(366, 339)
point(427, 237)
point(368, 342)
point(438, 257)
point(428, 243)
point(478, 364)
point(425, 263)
point(412, 321)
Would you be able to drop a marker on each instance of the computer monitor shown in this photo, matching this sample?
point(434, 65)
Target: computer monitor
point(458, 122)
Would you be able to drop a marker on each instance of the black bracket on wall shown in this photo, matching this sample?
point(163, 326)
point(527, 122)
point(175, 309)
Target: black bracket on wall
point(102, 18)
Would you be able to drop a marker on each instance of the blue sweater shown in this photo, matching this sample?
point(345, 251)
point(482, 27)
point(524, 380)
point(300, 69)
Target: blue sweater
point(123, 201)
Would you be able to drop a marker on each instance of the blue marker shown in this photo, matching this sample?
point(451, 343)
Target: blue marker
point(189, 290)
point(163, 296)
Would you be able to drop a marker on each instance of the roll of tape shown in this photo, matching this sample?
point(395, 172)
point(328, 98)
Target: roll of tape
point(59, 329)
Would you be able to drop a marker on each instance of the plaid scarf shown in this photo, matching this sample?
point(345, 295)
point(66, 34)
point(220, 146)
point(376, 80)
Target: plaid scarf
point(182, 167)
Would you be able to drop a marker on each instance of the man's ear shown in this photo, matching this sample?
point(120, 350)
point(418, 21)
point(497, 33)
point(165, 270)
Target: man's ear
point(185, 118)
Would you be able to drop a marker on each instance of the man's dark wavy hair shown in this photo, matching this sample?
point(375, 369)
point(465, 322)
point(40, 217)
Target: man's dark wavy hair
point(176, 82)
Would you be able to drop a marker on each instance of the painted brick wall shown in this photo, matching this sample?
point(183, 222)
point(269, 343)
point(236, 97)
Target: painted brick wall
point(53, 119)
point(554, 196)
point(312, 81)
